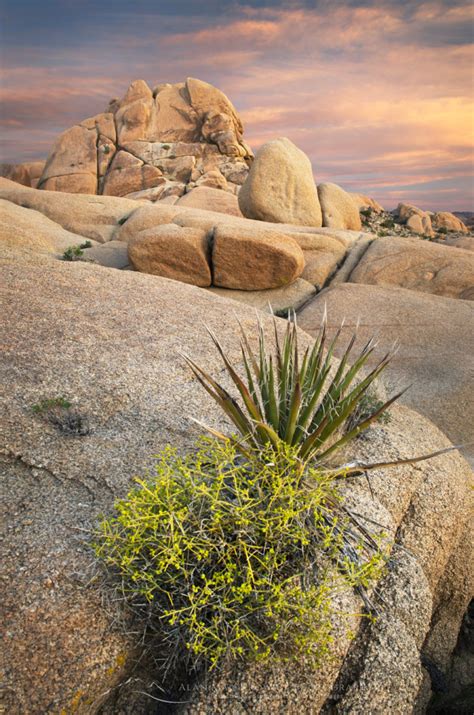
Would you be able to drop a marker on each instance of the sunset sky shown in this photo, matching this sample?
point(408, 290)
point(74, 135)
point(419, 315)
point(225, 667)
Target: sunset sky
point(378, 94)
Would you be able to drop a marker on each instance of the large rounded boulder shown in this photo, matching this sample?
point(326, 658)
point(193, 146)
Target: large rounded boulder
point(280, 186)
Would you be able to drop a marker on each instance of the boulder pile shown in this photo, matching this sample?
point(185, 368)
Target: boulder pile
point(152, 144)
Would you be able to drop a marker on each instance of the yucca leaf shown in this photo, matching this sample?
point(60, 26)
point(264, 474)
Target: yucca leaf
point(356, 468)
point(251, 406)
point(272, 407)
point(293, 412)
point(361, 426)
point(223, 399)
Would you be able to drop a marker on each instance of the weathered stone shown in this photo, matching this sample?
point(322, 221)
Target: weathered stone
point(466, 242)
point(144, 218)
point(418, 265)
point(365, 202)
point(182, 254)
point(435, 356)
point(175, 129)
point(15, 172)
point(61, 650)
point(213, 179)
point(280, 301)
point(416, 220)
point(96, 217)
point(338, 208)
point(24, 230)
point(134, 113)
point(448, 222)
point(34, 169)
point(72, 163)
point(103, 124)
point(220, 122)
point(128, 174)
point(113, 254)
point(280, 186)
point(204, 197)
point(247, 261)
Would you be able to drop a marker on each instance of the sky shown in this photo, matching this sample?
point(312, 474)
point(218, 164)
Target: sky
point(378, 94)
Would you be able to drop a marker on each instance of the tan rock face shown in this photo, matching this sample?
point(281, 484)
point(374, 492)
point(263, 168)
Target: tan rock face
point(254, 262)
point(448, 221)
point(416, 219)
point(72, 164)
point(204, 197)
point(338, 208)
point(128, 174)
point(175, 129)
point(280, 186)
point(280, 301)
point(34, 169)
point(62, 652)
point(16, 172)
point(365, 202)
point(95, 217)
point(435, 357)
point(419, 265)
point(25, 231)
point(171, 251)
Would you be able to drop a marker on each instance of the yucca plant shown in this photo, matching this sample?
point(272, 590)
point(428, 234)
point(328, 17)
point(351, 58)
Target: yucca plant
point(303, 402)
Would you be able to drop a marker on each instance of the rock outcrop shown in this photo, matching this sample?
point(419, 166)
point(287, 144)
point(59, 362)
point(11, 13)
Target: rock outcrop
point(171, 251)
point(436, 347)
point(419, 265)
point(417, 220)
point(244, 261)
point(62, 650)
point(365, 202)
point(338, 208)
point(280, 186)
point(444, 220)
point(171, 140)
point(317, 254)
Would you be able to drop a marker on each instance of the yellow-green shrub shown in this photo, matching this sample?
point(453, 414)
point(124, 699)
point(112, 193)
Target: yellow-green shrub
point(233, 556)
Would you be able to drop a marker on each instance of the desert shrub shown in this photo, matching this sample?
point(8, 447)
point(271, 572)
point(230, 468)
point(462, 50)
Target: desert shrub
point(237, 549)
point(235, 557)
point(75, 253)
point(366, 212)
point(388, 223)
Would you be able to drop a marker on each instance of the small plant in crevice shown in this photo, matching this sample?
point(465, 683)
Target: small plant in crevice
point(58, 412)
point(75, 253)
point(388, 223)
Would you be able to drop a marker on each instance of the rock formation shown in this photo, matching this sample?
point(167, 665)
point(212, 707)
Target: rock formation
point(338, 208)
point(62, 651)
point(280, 186)
point(168, 140)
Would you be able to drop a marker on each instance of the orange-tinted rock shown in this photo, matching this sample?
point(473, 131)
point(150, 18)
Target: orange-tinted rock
point(171, 251)
point(248, 260)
